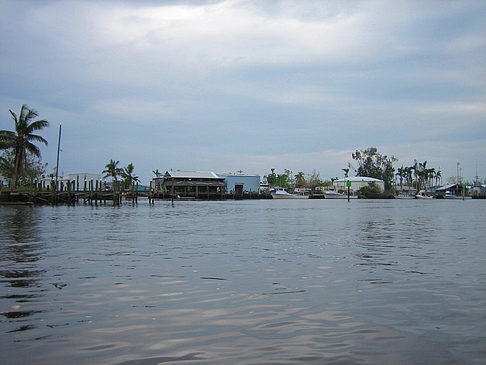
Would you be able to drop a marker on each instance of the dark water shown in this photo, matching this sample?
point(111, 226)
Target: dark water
point(245, 282)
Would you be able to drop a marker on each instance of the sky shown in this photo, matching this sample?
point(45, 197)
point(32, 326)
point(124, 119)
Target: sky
point(248, 86)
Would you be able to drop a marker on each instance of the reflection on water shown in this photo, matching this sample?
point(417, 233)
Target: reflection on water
point(244, 282)
point(20, 249)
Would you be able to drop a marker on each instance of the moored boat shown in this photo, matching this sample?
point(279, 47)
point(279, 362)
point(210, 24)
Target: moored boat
point(422, 195)
point(333, 194)
point(281, 193)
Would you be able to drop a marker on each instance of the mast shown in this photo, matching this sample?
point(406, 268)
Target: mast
point(58, 149)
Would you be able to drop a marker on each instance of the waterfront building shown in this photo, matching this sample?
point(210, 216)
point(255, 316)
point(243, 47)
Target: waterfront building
point(357, 182)
point(240, 183)
point(193, 183)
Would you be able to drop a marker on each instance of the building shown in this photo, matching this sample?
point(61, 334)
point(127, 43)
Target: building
point(478, 191)
point(241, 183)
point(357, 182)
point(452, 189)
point(193, 183)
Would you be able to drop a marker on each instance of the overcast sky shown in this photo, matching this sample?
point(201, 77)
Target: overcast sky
point(249, 85)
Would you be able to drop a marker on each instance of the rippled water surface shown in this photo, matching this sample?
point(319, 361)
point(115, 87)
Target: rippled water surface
point(245, 282)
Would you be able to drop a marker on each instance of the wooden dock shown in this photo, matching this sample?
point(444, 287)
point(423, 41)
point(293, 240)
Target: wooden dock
point(103, 197)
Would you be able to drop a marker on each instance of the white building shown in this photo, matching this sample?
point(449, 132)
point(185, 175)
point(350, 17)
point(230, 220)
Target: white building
point(239, 183)
point(357, 182)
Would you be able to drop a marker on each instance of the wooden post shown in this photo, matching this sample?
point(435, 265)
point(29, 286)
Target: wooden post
point(113, 190)
point(136, 194)
point(172, 194)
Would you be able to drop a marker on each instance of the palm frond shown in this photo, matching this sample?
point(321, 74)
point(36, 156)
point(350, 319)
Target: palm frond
point(30, 114)
point(37, 125)
point(7, 135)
point(32, 148)
point(14, 116)
point(34, 137)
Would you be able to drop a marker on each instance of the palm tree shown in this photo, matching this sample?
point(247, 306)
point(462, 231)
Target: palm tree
point(157, 173)
point(127, 174)
point(111, 170)
point(300, 181)
point(423, 174)
point(21, 140)
point(401, 173)
point(416, 172)
point(431, 175)
point(438, 176)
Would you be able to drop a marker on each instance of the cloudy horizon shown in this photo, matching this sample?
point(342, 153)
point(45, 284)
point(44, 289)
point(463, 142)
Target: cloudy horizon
point(249, 85)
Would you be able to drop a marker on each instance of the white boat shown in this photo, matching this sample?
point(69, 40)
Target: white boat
point(404, 196)
point(449, 195)
point(421, 195)
point(281, 193)
point(333, 194)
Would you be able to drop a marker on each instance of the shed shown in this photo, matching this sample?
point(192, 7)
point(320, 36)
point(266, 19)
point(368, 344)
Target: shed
point(239, 183)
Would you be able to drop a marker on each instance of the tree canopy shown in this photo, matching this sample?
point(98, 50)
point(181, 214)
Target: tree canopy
point(21, 140)
point(374, 164)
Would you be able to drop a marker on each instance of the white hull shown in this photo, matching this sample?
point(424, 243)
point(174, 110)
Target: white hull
point(334, 195)
point(423, 197)
point(289, 196)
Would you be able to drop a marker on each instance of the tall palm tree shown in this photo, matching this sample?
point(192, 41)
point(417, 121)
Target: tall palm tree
point(438, 176)
point(416, 172)
point(112, 170)
point(21, 140)
point(401, 173)
point(127, 174)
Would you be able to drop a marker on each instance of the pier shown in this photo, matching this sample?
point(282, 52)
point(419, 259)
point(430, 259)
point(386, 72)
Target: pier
point(95, 197)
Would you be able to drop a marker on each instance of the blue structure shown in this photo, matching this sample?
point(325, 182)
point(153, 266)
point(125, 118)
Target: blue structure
point(239, 183)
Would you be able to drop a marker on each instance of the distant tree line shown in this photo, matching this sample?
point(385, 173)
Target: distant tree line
point(371, 163)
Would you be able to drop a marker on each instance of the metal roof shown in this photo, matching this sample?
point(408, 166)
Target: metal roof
point(192, 174)
point(359, 179)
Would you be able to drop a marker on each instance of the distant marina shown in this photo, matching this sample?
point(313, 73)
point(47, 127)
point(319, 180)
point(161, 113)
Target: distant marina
point(196, 185)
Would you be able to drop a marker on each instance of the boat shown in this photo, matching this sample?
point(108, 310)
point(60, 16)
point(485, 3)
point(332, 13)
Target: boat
point(449, 195)
point(404, 196)
point(421, 195)
point(333, 194)
point(281, 193)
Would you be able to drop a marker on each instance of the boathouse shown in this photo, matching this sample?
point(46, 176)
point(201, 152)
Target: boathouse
point(241, 183)
point(358, 182)
point(193, 183)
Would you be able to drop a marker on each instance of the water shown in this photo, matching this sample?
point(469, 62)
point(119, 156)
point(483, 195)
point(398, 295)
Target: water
point(245, 282)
